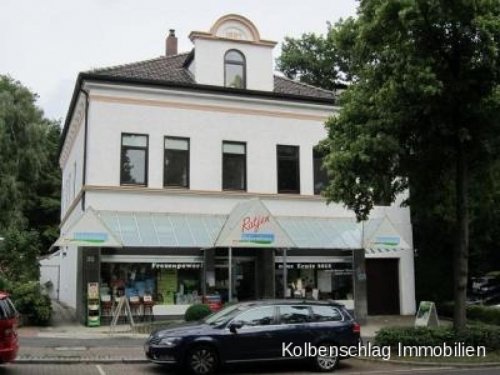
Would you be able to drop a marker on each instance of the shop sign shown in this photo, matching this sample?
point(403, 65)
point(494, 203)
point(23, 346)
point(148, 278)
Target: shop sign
point(307, 266)
point(177, 266)
point(387, 240)
point(252, 230)
point(427, 315)
point(342, 272)
point(93, 291)
point(90, 237)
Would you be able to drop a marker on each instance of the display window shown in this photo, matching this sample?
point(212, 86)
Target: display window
point(319, 281)
point(154, 283)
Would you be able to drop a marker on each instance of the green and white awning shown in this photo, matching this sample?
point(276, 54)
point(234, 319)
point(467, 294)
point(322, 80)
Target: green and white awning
point(380, 236)
point(89, 231)
point(250, 224)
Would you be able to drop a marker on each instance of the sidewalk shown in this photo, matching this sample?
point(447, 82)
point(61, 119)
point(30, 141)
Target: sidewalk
point(93, 342)
point(68, 341)
point(87, 344)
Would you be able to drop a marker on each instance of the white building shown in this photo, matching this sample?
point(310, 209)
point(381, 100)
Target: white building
point(188, 174)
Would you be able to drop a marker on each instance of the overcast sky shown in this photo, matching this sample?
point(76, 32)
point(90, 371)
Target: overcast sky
point(45, 43)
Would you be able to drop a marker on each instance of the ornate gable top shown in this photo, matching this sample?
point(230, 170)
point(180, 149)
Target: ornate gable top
point(233, 27)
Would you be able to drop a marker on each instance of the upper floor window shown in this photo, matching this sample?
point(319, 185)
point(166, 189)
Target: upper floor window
point(288, 169)
point(134, 159)
point(320, 174)
point(234, 69)
point(234, 169)
point(176, 168)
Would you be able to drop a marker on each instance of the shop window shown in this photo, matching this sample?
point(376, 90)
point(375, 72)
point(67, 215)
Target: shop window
point(176, 163)
point(156, 283)
point(320, 174)
point(134, 159)
point(318, 281)
point(294, 314)
point(325, 314)
point(288, 169)
point(234, 69)
point(234, 167)
point(261, 316)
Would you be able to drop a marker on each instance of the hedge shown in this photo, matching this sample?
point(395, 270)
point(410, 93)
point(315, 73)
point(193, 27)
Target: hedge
point(196, 312)
point(474, 335)
point(479, 313)
point(34, 306)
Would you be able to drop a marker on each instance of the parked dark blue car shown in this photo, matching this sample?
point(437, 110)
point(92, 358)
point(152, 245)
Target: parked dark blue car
point(257, 331)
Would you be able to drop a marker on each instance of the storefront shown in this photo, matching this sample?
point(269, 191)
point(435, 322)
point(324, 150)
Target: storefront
point(163, 263)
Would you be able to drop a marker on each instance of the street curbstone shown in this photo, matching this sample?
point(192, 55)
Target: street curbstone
point(62, 360)
point(430, 364)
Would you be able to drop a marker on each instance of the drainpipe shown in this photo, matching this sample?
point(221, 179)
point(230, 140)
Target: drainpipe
point(86, 126)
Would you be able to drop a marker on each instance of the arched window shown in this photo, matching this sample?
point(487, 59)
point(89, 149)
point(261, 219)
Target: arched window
point(234, 69)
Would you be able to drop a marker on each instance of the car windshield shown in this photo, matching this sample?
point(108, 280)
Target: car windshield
point(224, 315)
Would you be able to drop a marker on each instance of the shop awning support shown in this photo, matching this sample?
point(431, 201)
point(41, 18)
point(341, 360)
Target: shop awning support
point(230, 274)
point(285, 274)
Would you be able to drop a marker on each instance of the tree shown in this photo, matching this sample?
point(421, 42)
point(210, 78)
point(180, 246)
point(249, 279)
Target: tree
point(322, 61)
point(421, 112)
point(29, 172)
point(18, 255)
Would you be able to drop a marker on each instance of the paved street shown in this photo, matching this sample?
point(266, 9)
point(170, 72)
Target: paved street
point(70, 348)
point(347, 368)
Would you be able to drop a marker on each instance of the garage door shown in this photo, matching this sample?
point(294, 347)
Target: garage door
point(382, 278)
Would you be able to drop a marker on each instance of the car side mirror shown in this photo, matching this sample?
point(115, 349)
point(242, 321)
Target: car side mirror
point(234, 326)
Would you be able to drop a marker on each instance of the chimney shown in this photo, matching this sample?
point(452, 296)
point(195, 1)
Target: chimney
point(171, 43)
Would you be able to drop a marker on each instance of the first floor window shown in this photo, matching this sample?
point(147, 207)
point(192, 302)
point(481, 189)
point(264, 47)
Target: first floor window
point(288, 169)
point(176, 170)
point(134, 159)
point(233, 166)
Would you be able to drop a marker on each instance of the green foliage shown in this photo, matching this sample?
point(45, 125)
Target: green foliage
point(18, 255)
point(318, 60)
point(34, 306)
point(427, 78)
point(421, 115)
point(477, 313)
point(29, 172)
point(4, 283)
point(476, 335)
point(196, 312)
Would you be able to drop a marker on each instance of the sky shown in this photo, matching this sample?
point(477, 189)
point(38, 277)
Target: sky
point(45, 44)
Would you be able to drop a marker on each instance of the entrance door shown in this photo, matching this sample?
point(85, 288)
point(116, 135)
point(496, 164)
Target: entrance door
point(382, 282)
point(243, 275)
point(245, 279)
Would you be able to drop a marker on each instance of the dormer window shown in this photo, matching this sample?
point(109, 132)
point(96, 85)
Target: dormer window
point(234, 69)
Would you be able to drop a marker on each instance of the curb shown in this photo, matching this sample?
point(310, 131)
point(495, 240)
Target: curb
point(73, 360)
point(430, 364)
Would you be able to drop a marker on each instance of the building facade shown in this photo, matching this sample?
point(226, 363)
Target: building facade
point(197, 174)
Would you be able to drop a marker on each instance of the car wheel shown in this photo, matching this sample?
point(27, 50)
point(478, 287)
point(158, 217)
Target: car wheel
point(326, 363)
point(202, 360)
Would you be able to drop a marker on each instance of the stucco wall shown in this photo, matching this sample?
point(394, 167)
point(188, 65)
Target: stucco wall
point(259, 63)
point(207, 122)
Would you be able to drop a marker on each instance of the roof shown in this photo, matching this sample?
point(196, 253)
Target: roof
point(172, 72)
point(173, 69)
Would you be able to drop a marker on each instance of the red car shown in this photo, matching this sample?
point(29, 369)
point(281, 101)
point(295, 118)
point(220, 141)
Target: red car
point(8, 329)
